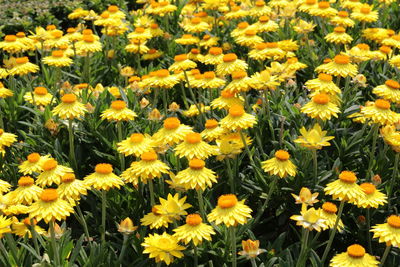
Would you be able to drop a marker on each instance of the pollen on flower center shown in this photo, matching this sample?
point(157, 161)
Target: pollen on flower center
point(27, 221)
point(236, 75)
point(339, 30)
point(356, 251)
point(215, 51)
point(22, 60)
point(193, 219)
point(260, 3)
point(154, 26)
point(181, 57)
point(57, 53)
point(311, 2)
point(136, 137)
point(33, 157)
point(282, 155)
point(323, 5)
point(162, 73)
point(342, 59)
point(103, 168)
point(113, 8)
point(209, 75)
point(325, 77)
point(394, 221)
point(261, 46)
point(193, 138)
point(49, 195)
point(343, 14)
point(68, 98)
point(40, 90)
point(155, 211)
point(25, 181)
point(227, 201)
point(149, 156)
point(272, 45)
point(329, 207)
point(196, 20)
point(118, 105)
point(365, 9)
point(88, 38)
point(227, 94)
point(197, 164)
point(392, 84)
point(363, 47)
point(50, 164)
point(171, 123)
point(195, 51)
point(386, 50)
point(250, 32)
point(382, 104)
point(211, 124)
point(243, 25)
point(264, 18)
point(68, 178)
point(321, 99)
point(229, 57)
point(236, 110)
point(348, 177)
point(368, 188)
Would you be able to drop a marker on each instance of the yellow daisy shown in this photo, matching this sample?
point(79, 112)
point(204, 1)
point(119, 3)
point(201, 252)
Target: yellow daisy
point(141, 34)
point(388, 232)
point(364, 13)
point(194, 230)
point(103, 178)
point(389, 91)
point(194, 147)
point(265, 24)
point(69, 108)
point(248, 38)
point(212, 130)
point(323, 84)
point(239, 83)
point(372, 198)
point(21, 228)
point(23, 67)
point(57, 59)
point(71, 189)
point(260, 9)
point(5, 225)
point(226, 100)
point(340, 66)
point(173, 206)
point(187, 39)
point(163, 247)
point(328, 213)
point(155, 220)
point(323, 10)
point(33, 164)
point(164, 79)
point(52, 173)
point(6, 140)
point(87, 45)
point(354, 257)
point(238, 119)
point(391, 137)
point(314, 138)
point(40, 96)
point(118, 112)
point(136, 145)
point(26, 192)
point(342, 19)
point(197, 176)
point(182, 63)
point(173, 132)
point(56, 39)
point(320, 107)
point(279, 165)
point(4, 92)
point(338, 36)
point(310, 219)
point(195, 25)
point(231, 63)
point(214, 56)
point(345, 188)
point(380, 113)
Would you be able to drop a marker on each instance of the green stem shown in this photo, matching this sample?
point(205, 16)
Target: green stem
point(54, 244)
point(315, 167)
point(375, 129)
point(151, 188)
point(268, 112)
point(103, 215)
point(201, 203)
point(72, 146)
point(192, 94)
point(368, 228)
point(1, 115)
point(121, 156)
point(230, 175)
point(303, 252)
point(264, 206)
point(124, 245)
point(83, 222)
point(195, 256)
point(233, 245)
point(394, 177)
point(34, 235)
point(385, 254)
point(333, 232)
point(253, 262)
point(249, 154)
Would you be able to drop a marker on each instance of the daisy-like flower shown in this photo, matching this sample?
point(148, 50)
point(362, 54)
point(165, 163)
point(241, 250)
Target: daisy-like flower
point(26, 192)
point(307, 5)
point(260, 9)
point(230, 64)
point(236, 12)
point(21, 228)
point(226, 100)
point(380, 113)
point(118, 112)
point(320, 107)
point(194, 111)
point(50, 207)
point(310, 219)
point(103, 178)
point(306, 197)
point(155, 220)
point(56, 40)
point(52, 173)
point(182, 63)
point(141, 34)
point(395, 61)
point(11, 45)
point(279, 165)
point(163, 247)
point(383, 53)
point(78, 13)
point(372, 198)
point(71, 189)
point(149, 167)
point(239, 83)
point(230, 211)
point(197, 176)
point(87, 45)
point(135, 46)
point(328, 213)
point(136, 145)
point(238, 119)
point(209, 41)
point(314, 138)
point(364, 13)
point(126, 226)
point(214, 56)
point(360, 52)
point(32, 164)
point(354, 257)
point(263, 80)
point(152, 54)
point(388, 232)
point(391, 137)
point(342, 19)
point(264, 24)
point(323, 84)
point(240, 29)
point(5, 225)
point(389, 91)
point(338, 36)
point(69, 108)
point(294, 65)
point(248, 38)
point(164, 79)
point(173, 206)
point(195, 55)
point(345, 188)
point(4, 92)
point(23, 67)
point(196, 25)
point(173, 132)
point(212, 130)
point(40, 96)
point(194, 230)
point(57, 59)
point(6, 140)
point(251, 249)
point(323, 10)
point(187, 39)
point(340, 66)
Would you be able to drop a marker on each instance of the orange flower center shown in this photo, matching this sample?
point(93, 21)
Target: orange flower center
point(49, 195)
point(10, 38)
point(162, 73)
point(136, 137)
point(68, 178)
point(154, 210)
point(392, 84)
point(149, 156)
point(27, 221)
point(103, 168)
point(325, 77)
point(22, 60)
point(236, 110)
point(25, 181)
point(152, 51)
point(230, 57)
point(215, 51)
point(250, 32)
point(363, 47)
point(180, 57)
point(365, 9)
point(206, 37)
point(339, 30)
point(329, 207)
point(348, 177)
point(356, 251)
point(394, 221)
point(227, 201)
point(260, 3)
point(118, 105)
point(292, 60)
point(261, 46)
point(342, 59)
point(71, 30)
point(171, 123)
point(68, 98)
point(327, 60)
point(311, 2)
point(50, 164)
point(385, 49)
point(57, 53)
point(211, 124)
point(50, 27)
point(33, 157)
point(196, 20)
point(57, 34)
point(368, 188)
point(195, 51)
point(199, 76)
point(343, 14)
point(382, 104)
point(197, 164)
point(227, 94)
point(164, 3)
point(323, 5)
point(282, 155)
point(113, 8)
point(139, 30)
point(195, 71)
point(243, 25)
point(236, 75)
point(263, 19)
point(209, 75)
point(88, 38)
point(193, 219)
point(154, 26)
point(321, 99)
point(87, 32)
point(105, 15)
point(193, 138)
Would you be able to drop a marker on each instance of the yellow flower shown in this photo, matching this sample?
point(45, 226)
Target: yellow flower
point(5, 225)
point(32, 164)
point(103, 178)
point(338, 36)
point(236, 12)
point(251, 249)
point(182, 63)
point(194, 147)
point(71, 189)
point(52, 173)
point(196, 25)
point(162, 247)
point(208, 41)
point(238, 119)
point(248, 38)
point(69, 108)
point(118, 112)
point(340, 66)
point(307, 5)
point(303, 26)
point(57, 59)
point(11, 45)
point(239, 83)
point(354, 257)
point(264, 24)
point(364, 13)
point(6, 140)
point(50, 207)
point(26, 192)
point(360, 52)
point(263, 80)
point(172, 132)
point(23, 67)
point(391, 136)
point(231, 63)
point(305, 197)
point(380, 113)
point(314, 138)
point(310, 219)
point(173, 206)
point(342, 19)
point(345, 188)
point(321, 107)
point(323, 84)
point(388, 232)
point(212, 130)
point(78, 13)
point(164, 79)
point(40, 96)
point(194, 230)
point(197, 176)
point(88, 44)
point(4, 92)
point(389, 91)
point(194, 111)
point(136, 145)
point(55, 39)
point(260, 9)
point(279, 165)
point(231, 144)
point(328, 213)
point(135, 46)
point(141, 34)
point(230, 211)
point(21, 228)
point(155, 220)
point(226, 100)
point(4, 187)
point(323, 10)
point(187, 39)
point(126, 226)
